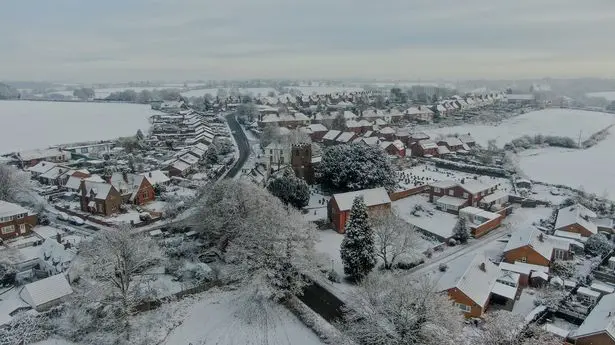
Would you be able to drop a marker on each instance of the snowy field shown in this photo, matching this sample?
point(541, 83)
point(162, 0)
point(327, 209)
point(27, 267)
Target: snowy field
point(592, 169)
point(560, 122)
point(322, 90)
point(254, 91)
point(609, 95)
point(42, 124)
point(426, 174)
point(102, 93)
point(219, 318)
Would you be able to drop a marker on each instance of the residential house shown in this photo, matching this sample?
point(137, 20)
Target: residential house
point(524, 270)
point(56, 176)
point(15, 220)
point(417, 136)
point(32, 157)
point(277, 155)
point(468, 140)
point(576, 218)
point(597, 329)
point(443, 150)
point(157, 177)
point(178, 168)
point(55, 257)
point(330, 136)
point(531, 246)
point(480, 221)
point(135, 189)
point(46, 293)
point(468, 281)
point(376, 199)
point(317, 131)
point(40, 168)
point(387, 133)
point(494, 201)
point(345, 138)
point(99, 198)
point(394, 148)
point(521, 99)
point(424, 148)
point(420, 114)
point(472, 191)
point(506, 290)
point(453, 144)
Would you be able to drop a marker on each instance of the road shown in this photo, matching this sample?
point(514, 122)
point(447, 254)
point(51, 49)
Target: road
point(242, 144)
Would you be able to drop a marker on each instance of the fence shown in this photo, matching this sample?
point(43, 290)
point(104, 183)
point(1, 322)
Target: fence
point(84, 216)
point(408, 192)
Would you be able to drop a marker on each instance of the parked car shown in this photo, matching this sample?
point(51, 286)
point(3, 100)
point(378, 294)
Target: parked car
point(144, 216)
point(43, 220)
point(76, 220)
point(62, 216)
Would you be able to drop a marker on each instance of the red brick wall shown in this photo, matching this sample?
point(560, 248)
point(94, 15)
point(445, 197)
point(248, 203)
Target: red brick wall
point(532, 256)
point(458, 296)
point(597, 339)
point(486, 227)
point(576, 228)
point(408, 192)
point(30, 222)
point(146, 193)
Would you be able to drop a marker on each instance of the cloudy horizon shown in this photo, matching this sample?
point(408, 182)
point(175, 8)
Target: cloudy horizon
point(119, 41)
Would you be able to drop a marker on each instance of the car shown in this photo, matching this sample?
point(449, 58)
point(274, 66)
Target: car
point(43, 220)
point(62, 216)
point(144, 216)
point(76, 220)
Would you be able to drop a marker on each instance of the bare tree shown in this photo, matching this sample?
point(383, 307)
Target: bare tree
point(25, 329)
point(111, 267)
point(505, 328)
point(395, 238)
point(14, 184)
point(397, 310)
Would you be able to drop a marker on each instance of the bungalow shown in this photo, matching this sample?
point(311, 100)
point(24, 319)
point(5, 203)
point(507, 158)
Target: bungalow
point(376, 199)
point(15, 220)
point(597, 329)
point(531, 246)
point(40, 168)
point(494, 201)
point(55, 257)
point(443, 150)
point(56, 176)
point(424, 148)
point(99, 198)
point(46, 293)
point(472, 191)
point(576, 218)
point(453, 144)
point(480, 221)
point(468, 281)
point(135, 189)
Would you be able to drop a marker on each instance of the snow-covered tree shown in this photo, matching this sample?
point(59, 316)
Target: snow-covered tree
point(502, 327)
point(25, 329)
point(14, 184)
point(270, 134)
point(268, 246)
point(8, 271)
point(563, 269)
point(358, 248)
point(395, 238)
point(110, 267)
point(392, 309)
point(461, 232)
point(550, 297)
point(290, 189)
point(355, 167)
point(598, 244)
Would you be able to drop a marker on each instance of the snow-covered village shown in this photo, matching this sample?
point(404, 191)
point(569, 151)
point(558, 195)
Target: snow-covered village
point(181, 173)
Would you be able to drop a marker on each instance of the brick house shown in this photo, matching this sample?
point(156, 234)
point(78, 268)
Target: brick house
point(424, 148)
point(597, 329)
point(533, 247)
point(317, 131)
point(99, 198)
point(480, 221)
point(468, 281)
point(470, 190)
point(394, 148)
point(376, 199)
point(15, 220)
point(453, 144)
point(578, 219)
point(135, 189)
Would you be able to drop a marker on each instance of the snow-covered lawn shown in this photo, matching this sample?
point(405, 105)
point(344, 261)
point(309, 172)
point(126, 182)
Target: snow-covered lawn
point(9, 301)
point(560, 122)
point(42, 124)
point(155, 206)
point(593, 168)
point(317, 206)
point(523, 218)
point(427, 173)
point(525, 304)
point(219, 317)
point(547, 193)
point(609, 95)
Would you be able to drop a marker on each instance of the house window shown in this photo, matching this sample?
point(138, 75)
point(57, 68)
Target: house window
point(559, 254)
point(84, 150)
point(463, 307)
point(465, 195)
point(436, 190)
point(8, 229)
point(22, 228)
point(451, 192)
point(99, 207)
point(523, 259)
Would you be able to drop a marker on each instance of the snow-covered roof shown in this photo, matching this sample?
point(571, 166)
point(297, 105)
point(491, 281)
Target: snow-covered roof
point(576, 214)
point(331, 135)
point(443, 150)
point(127, 183)
point(56, 172)
point(46, 290)
point(477, 212)
point(475, 186)
point(180, 165)
point(399, 145)
point(523, 268)
point(427, 144)
point(100, 189)
point(372, 197)
point(318, 127)
point(345, 137)
point(10, 209)
point(55, 255)
point(504, 290)
point(600, 320)
point(520, 97)
point(418, 110)
point(602, 287)
point(560, 332)
point(371, 141)
point(444, 184)
point(452, 141)
point(387, 130)
point(467, 139)
point(41, 167)
point(451, 201)
point(475, 276)
point(40, 154)
point(568, 235)
point(534, 238)
point(588, 292)
point(156, 177)
point(497, 195)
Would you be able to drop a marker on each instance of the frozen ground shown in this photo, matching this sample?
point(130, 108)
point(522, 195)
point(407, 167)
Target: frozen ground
point(254, 91)
point(54, 341)
point(317, 206)
point(321, 90)
point(593, 168)
point(560, 122)
point(430, 219)
point(609, 95)
point(42, 124)
point(525, 304)
point(426, 173)
point(220, 318)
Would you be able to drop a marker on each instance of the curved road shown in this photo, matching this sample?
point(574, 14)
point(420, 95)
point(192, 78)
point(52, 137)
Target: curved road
point(242, 143)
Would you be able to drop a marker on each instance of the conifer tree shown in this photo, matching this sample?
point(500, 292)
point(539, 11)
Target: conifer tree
point(358, 249)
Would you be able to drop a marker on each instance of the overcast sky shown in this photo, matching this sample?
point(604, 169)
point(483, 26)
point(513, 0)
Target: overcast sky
point(124, 40)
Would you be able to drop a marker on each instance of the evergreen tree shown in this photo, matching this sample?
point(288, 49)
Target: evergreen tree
point(290, 189)
point(358, 249)
point(461, 231)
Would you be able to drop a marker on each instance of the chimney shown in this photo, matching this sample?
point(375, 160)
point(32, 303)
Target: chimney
point(541, 237)
point(150, 174)
point(125, 176)
point(483, 267)
point(67, 245)
point(82, 187)
point(59, 238)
